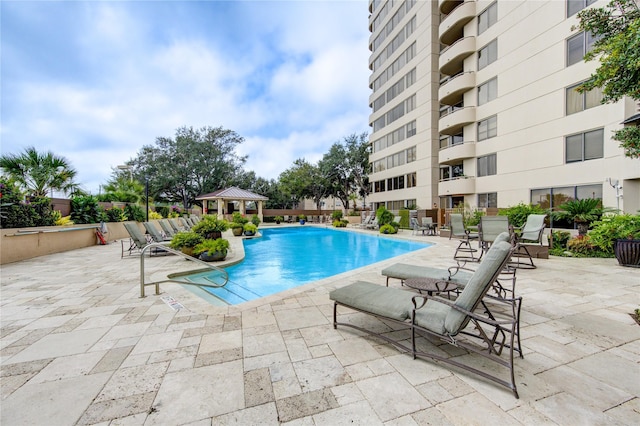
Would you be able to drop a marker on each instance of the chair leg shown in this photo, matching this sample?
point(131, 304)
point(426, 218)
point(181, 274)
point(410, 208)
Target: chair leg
point(522, 251)
point(465, 247)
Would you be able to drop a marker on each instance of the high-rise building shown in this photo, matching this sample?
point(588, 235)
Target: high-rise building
point(474, 102)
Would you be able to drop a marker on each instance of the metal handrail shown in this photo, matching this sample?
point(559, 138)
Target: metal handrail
point(143, 284)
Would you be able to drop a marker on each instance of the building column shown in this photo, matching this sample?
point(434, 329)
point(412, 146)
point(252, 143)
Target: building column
point(260, 211)
point(220, 202)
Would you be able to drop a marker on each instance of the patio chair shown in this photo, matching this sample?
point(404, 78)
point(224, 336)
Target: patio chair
point(489, 228)
point(167, 228)
point(373, 224)
point(466, 236)
point(177, 226)
point(366, 221)
point(186, 225)
point(137, 241)
point(530, 234)
point(443, 319)
point(428, 222)
point(157, 236)
point(416, 227)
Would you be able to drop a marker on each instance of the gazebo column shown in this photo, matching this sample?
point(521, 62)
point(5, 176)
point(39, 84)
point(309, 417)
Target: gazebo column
point(242, 208)
point(220, 203)
point(260, 211)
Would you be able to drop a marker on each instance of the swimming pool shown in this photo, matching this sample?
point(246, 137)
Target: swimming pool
point(289, 257)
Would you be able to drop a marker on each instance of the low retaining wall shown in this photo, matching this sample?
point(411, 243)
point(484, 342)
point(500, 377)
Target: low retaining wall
point(26, 243)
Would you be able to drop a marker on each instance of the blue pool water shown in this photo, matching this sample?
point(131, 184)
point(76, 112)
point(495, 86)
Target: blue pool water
point(289, 257)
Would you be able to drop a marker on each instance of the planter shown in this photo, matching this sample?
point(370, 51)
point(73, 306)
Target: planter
point(249, 233)
point(445, 233)
point(627, 252)
point(213, 235)
point(237, 231)
point(213, 256)
point(187, 250)
point(302, 221)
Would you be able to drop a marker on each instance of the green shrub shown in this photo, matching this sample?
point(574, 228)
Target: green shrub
point(154, 215)
point(404, 219)
point(560, 239)
point(278, 218)
point(238, 218)
point(115, 214)
point(219, 245)
point(581, 245)
point(135, 212)
point(388, 229)
point(86, 210)
point(336, 215)
point(255, 220)
point(384, 216)
point(518, 214)
point(210, 224)
point(340, 223)
point(250, 227)
point(185, 239)
point(164, 211)
point(610, 228)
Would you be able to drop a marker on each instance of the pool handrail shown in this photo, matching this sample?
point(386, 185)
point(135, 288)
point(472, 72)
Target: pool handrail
point(143, 283)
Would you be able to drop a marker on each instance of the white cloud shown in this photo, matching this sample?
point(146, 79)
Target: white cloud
point(292, 87)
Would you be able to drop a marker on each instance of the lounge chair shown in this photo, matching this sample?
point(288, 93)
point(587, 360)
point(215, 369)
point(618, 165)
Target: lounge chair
point(449, 321)
point(459, 231)
point(137, 241)
point(373, 224)
point(166, 227)
point(157, 236)
point(366, 221)
point(489, 228)
point(530, 234)
point(176, 225)
point(416, 227)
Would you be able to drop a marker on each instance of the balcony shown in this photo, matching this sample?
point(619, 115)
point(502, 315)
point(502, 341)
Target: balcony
point(457, 186)
point(451, 28)
point(446, 6)
point(451, 58)
point(456, 153)
point(451, 90)
point(452, 123)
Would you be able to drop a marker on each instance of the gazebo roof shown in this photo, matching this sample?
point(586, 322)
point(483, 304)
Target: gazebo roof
point(232, 193)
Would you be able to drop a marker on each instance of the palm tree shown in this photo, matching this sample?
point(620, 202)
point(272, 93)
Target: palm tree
point(40, 173)
point(581, 212)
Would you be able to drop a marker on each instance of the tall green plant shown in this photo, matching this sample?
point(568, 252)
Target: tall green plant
point(610, 228)
point(384, 216)
point(85, 209)
point(518, 214)
point(581, 212)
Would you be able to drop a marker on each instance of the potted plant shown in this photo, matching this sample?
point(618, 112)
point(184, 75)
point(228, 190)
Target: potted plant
point(255, 220)
point(302, 218)
point(250, 229)
point(238, 218)
point(186, 241)
point(620, 235)
point(236, 228)
point(388, 229)
point(210, 227)
point(212, 250)
point(278, 219)
point(581, 212)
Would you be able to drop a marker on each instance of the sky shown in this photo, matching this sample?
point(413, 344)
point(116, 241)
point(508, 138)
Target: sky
point(95, 81)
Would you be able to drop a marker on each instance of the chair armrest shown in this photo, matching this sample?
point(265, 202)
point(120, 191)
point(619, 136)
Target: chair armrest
point(452, 304)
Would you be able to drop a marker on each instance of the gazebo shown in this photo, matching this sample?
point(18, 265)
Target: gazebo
point(223, 196)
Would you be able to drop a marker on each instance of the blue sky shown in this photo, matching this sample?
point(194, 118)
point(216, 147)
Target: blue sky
point(94, 81)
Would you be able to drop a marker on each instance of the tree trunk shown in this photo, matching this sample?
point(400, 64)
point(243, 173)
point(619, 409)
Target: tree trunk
point(583, 228)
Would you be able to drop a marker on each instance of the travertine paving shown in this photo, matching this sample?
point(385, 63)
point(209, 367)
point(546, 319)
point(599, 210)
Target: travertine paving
point(79, 346)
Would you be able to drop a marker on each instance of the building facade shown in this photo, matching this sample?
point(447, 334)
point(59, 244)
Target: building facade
point(474, 102)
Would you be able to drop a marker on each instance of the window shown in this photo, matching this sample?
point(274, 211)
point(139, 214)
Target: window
point(487, 165)
point(577, 101)
point(488, 54)
point(578, 46)
point(488, 91)
point(488, 128)
point(411, 180)
point(560, 195)
point(379, 186)
point(411, 128)
point(574, 6)
point(584, 146)
point(411, 154)
point(490, 199)
point(488, 17)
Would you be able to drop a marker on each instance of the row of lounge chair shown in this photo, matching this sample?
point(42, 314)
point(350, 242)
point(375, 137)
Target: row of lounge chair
point(139, 240)
point(483, 318)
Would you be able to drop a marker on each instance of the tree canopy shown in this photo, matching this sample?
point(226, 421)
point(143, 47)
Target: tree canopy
point(40, 173)
point(196, 161)
point(616, 28)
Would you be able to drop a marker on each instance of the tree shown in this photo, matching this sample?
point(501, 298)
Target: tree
point(581, 212)
point(346, 167)
point(40, 173)
point(616, 28)
point(121, 187)
point(296, 180)
point(197, 161)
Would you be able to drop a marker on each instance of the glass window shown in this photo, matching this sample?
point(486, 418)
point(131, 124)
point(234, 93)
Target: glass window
point(411, 180)
point(585, 146)
point(488, 128)
point(589, 191)
point(487, 165)
point(488, 54)
point(577, 101)
point(575, 6)
point(488, 17)
point(411, 128)
point(489, 199)
point(488, 91)
point(578, 46)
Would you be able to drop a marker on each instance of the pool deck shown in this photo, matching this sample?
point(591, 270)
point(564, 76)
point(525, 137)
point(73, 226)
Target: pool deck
point(79, 346)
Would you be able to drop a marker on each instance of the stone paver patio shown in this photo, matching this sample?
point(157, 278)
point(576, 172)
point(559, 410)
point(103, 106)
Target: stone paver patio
point(78, 346)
